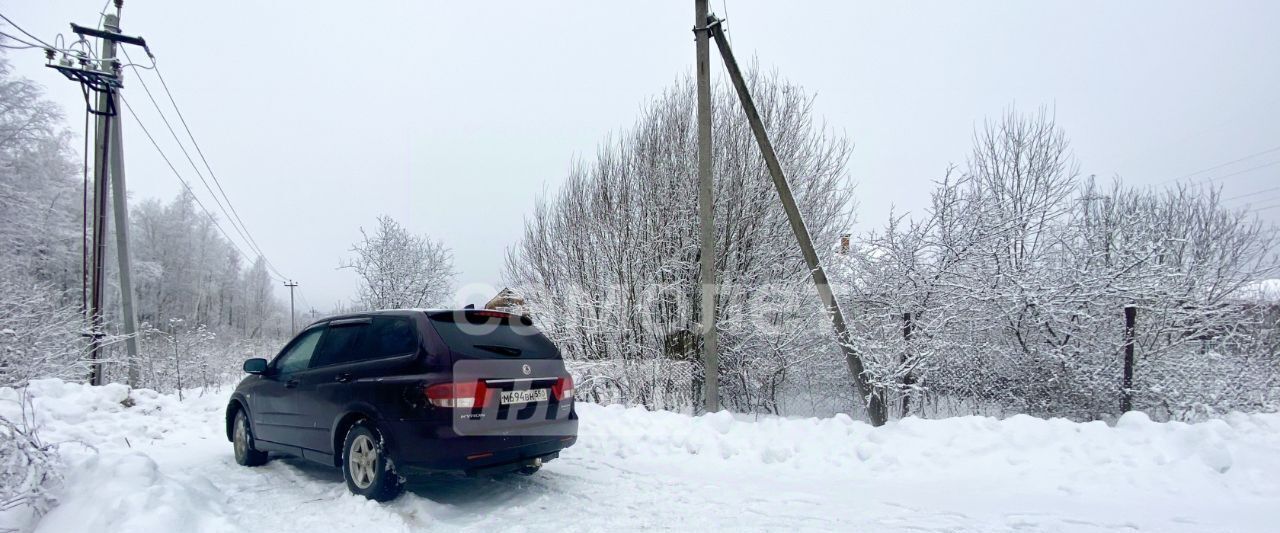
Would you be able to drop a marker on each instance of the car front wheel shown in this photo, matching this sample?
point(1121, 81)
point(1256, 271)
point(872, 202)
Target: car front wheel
point(366, 466)
point(242, 440)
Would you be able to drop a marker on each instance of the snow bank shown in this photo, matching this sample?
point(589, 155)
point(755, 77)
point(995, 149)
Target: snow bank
point(1219, 452)
point(108, 486)
point(111, 415)
point(116, 492)
point(144, 461)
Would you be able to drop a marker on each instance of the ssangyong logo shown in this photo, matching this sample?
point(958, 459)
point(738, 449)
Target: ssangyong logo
point(526, 370)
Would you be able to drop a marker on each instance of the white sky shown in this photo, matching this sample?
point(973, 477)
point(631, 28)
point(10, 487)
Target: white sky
point(452, 116)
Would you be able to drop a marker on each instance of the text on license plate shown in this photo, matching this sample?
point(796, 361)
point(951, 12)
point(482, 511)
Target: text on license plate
point(524, 396)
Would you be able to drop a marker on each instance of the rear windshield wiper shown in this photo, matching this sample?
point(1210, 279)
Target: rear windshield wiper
point(504, 350)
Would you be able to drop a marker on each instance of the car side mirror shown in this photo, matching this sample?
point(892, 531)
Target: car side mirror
point(256, 366)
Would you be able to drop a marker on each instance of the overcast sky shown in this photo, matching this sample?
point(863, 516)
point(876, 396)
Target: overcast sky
point(453, 116)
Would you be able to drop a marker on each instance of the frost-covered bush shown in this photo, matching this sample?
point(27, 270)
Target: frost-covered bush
point(183, 356)
point(39, 335)
point(1009, 293)
point(29, 470)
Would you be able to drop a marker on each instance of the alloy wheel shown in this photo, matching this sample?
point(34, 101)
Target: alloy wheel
point(241, 440)
point(362, 461)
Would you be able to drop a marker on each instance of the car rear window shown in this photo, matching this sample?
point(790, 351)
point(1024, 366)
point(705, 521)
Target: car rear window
point(492, 335)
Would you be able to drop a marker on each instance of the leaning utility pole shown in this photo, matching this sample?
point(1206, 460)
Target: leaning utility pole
point(101, 78)
point(706, 216)
point(293, 324)
point(876, 410)
point(120, 207)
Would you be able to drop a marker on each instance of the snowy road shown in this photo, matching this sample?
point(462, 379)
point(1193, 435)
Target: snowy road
point(634, 469)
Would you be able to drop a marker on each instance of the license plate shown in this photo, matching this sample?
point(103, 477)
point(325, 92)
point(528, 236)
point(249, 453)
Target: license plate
point(523, 396)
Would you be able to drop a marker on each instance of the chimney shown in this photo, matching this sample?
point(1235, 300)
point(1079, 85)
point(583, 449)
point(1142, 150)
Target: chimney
point(844, 243)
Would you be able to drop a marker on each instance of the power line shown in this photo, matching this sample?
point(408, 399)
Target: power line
point(84, 222)
point(233, 216)
point(1260, 201)
point(199, 151)
point(239, 228)
point(1255, 193)
point(183, 148)
point(311, 312)
point(205, 160)
point(1239, 172)
point(1201, 131)
point(27, 33)
point(1221, 165)
point(184, 183)
point(1261, 209)
point(727, 35)
point(43, 43)
point(25, 44)
point(302, 296)
point(102, 13)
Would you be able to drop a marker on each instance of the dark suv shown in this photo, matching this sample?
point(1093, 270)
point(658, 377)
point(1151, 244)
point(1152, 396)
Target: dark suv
point(389, 394)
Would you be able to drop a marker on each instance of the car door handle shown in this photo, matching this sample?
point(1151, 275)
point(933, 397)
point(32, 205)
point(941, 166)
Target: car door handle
point(291, 383)
point(344, 377)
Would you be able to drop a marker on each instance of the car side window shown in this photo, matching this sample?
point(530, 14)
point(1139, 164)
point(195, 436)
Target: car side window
point(298, 356)
point(373, 338)
point(389, 335)
point(340, 344)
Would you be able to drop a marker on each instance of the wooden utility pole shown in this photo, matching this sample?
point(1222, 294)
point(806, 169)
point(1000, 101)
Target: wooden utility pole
point(706, 215)
point(293, 323)
point(876, 410)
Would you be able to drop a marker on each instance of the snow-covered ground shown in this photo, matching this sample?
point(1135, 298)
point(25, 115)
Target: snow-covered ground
point(162, 465)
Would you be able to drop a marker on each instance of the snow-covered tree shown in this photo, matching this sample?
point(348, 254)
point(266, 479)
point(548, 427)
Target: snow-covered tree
point(398, 269)
point(609, 264)
point(40, 324)
point(40, 320)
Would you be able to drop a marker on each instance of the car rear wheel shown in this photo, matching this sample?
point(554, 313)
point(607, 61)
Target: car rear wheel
point(242, 441)
point(366, 467)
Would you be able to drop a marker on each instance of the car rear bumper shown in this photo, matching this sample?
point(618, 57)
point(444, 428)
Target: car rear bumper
point(491, 463)
point(422, 447)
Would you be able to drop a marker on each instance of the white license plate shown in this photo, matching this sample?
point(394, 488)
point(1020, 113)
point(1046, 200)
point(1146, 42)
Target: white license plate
point(523, 396)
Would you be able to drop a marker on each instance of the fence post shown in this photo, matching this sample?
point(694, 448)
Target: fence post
point(907, 379)
point(1126, 388)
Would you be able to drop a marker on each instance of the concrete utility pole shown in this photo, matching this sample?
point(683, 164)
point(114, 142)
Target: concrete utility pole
point(876, 409)
point(100, 80)
point(293, 323)
point(120, 207)
point(706, 216)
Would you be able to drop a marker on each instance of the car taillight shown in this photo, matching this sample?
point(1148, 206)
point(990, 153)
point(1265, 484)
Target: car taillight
point(563, 388)
point(461, 395)
point(490, 314)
